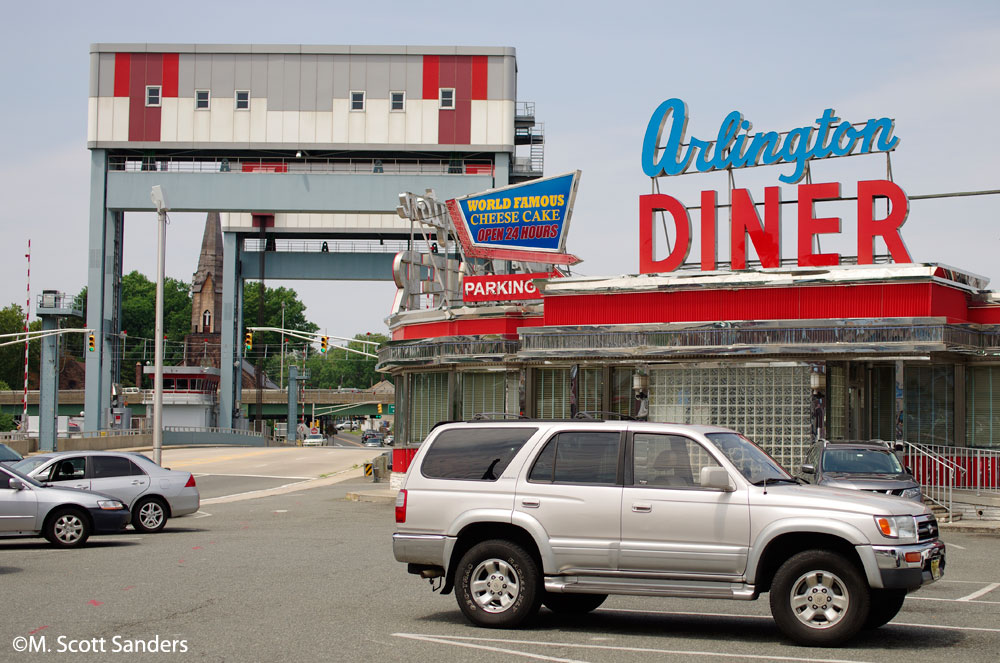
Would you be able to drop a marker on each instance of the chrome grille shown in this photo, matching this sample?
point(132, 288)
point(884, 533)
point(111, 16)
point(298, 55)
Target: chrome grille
point(927, 528)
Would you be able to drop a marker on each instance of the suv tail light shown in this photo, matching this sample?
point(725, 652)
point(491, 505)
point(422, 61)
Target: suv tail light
point(190, 483)
point(401, 506)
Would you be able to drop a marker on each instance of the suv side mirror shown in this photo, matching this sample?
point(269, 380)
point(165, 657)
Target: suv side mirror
point(717, 478)
point(808, 469)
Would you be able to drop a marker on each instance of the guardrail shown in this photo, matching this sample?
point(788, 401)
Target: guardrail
point(976, 469)
point(207, 164)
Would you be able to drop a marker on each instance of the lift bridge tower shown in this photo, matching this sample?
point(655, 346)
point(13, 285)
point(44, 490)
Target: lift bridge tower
point(302, 150)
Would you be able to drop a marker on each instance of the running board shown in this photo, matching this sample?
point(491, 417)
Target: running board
point(650, 587)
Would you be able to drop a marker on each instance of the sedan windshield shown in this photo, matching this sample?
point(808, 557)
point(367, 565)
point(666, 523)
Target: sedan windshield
point(29, 464)
point(861, 461)
point(26, 479)
point(753, 462)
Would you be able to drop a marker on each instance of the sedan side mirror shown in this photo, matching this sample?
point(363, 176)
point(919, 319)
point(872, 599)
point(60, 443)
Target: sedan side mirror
point(16, 484)
point(717, 478)
point(808, 469)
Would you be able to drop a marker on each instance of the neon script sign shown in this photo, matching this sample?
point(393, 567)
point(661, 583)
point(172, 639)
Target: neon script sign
point(735, 147)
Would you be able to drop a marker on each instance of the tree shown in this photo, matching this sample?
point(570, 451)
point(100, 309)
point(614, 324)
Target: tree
point(340, 368)
point(12, 356)
point(267, 345)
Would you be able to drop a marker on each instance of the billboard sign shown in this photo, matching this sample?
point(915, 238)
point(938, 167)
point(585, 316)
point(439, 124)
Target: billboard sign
point(527, 222)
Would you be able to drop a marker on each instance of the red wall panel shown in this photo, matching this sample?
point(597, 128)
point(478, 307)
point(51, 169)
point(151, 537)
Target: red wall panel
point(506, 326)
point(170, 66)
point(463, 99)
point(122, 69)
point(432, 70)
point(448, 72)
point(480, 76)
point(143, 121)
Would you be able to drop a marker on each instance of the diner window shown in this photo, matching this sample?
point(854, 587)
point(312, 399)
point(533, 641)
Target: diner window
point(397, 101)
point(201, 98)
point(446, 98)
point(243, 100)
point(357, 100)
point(153, 95)
point(929, 401)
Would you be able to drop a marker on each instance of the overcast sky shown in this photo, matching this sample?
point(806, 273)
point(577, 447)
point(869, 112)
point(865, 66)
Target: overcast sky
point(596, 73)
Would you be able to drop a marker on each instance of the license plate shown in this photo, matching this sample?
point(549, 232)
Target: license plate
point(936, 568)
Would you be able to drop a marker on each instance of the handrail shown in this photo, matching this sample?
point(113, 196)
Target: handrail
point(940, 493)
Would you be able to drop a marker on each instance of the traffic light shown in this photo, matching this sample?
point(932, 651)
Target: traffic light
point(248, 341)
point(380, 408)
point(91, 341)
point(324, 343)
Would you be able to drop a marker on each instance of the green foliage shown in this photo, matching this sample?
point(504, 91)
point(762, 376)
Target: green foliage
point(12, 356)
point(4, 386)
point(340, 368)
point(7, 422)
point(267, 345)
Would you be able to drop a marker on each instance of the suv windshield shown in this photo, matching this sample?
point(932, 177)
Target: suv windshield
point(753, 462)
point(860, 461)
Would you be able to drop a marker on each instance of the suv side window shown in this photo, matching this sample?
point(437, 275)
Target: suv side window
point(474, 453)
point(578, 457)
point(668, 461)
point(104, 467)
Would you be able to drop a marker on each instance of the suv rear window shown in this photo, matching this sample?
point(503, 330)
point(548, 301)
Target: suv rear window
point(473, 454)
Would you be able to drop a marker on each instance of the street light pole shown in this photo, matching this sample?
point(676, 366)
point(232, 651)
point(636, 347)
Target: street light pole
point(161, 245)
point(281, 376)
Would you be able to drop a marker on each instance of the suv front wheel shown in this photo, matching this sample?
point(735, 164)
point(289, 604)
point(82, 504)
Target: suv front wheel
point(819, 598)
point(497, 584)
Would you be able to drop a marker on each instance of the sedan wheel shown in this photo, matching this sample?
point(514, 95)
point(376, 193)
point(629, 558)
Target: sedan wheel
point(149, 515)
point(67, 529)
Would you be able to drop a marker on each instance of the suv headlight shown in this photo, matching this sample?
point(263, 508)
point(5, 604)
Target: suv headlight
point(897, 527)
point(110, 505)
point(912, 494)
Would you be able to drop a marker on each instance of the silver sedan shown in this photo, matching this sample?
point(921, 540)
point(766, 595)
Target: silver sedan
point(64, 516)
point(152, 493)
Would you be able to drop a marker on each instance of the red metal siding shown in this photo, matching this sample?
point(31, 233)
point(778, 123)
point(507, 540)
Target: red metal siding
point(463, 99)
point(170, 66)
point(143, 121)
point(801, 303)
point(985, 315)
point(122, 68)
point(448, 72)
point(506, 326)
point(432, 71)
point(480, 76)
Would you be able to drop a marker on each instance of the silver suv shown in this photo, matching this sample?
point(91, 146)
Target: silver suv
point(513, 515)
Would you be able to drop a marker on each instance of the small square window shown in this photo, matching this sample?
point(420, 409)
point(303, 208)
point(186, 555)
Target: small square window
point(357, 101)
point(446, 98)
point(153, 95)
point(397, 101)
point(201, 98)
point(243, 100)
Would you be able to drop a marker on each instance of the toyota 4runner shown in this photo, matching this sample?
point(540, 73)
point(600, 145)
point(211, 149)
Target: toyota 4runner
point(517, 514)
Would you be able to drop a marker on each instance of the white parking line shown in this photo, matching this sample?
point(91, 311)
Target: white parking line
point(200, 514)
point(985, 590)
point(729, 614)
point(462, 641)
point(964, 600)
point(213, 500)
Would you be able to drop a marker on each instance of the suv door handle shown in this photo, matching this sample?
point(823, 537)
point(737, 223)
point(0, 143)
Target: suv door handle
point(642, 508)
point(530, 504)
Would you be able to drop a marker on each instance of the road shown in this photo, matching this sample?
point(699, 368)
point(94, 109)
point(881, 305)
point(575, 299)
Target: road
point(305, 575)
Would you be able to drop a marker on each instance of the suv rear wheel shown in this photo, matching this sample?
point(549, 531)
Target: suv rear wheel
point(819, 598)
point(497, 584)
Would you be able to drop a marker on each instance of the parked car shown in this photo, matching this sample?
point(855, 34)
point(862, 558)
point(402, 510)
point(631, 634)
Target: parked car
point(512, 515)
point(64, 516)
point(871, 466)
point(8, 456)
point(152, 493)
point(314, 440)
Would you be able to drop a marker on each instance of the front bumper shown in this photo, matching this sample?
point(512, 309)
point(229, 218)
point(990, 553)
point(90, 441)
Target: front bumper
point(926, 565)
point(109, 522)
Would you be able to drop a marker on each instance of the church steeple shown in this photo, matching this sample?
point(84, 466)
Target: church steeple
point(206, 286)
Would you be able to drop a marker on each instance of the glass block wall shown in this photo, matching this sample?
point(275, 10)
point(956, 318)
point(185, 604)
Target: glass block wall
point(771, 405)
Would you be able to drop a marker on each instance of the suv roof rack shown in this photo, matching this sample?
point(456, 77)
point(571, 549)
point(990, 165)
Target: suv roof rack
point(605, 414)
point(489, 416)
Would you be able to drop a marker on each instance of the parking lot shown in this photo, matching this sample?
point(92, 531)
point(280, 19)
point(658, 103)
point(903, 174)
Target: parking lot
point(307, 575)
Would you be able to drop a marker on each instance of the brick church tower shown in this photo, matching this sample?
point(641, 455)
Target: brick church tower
point(202, 346)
